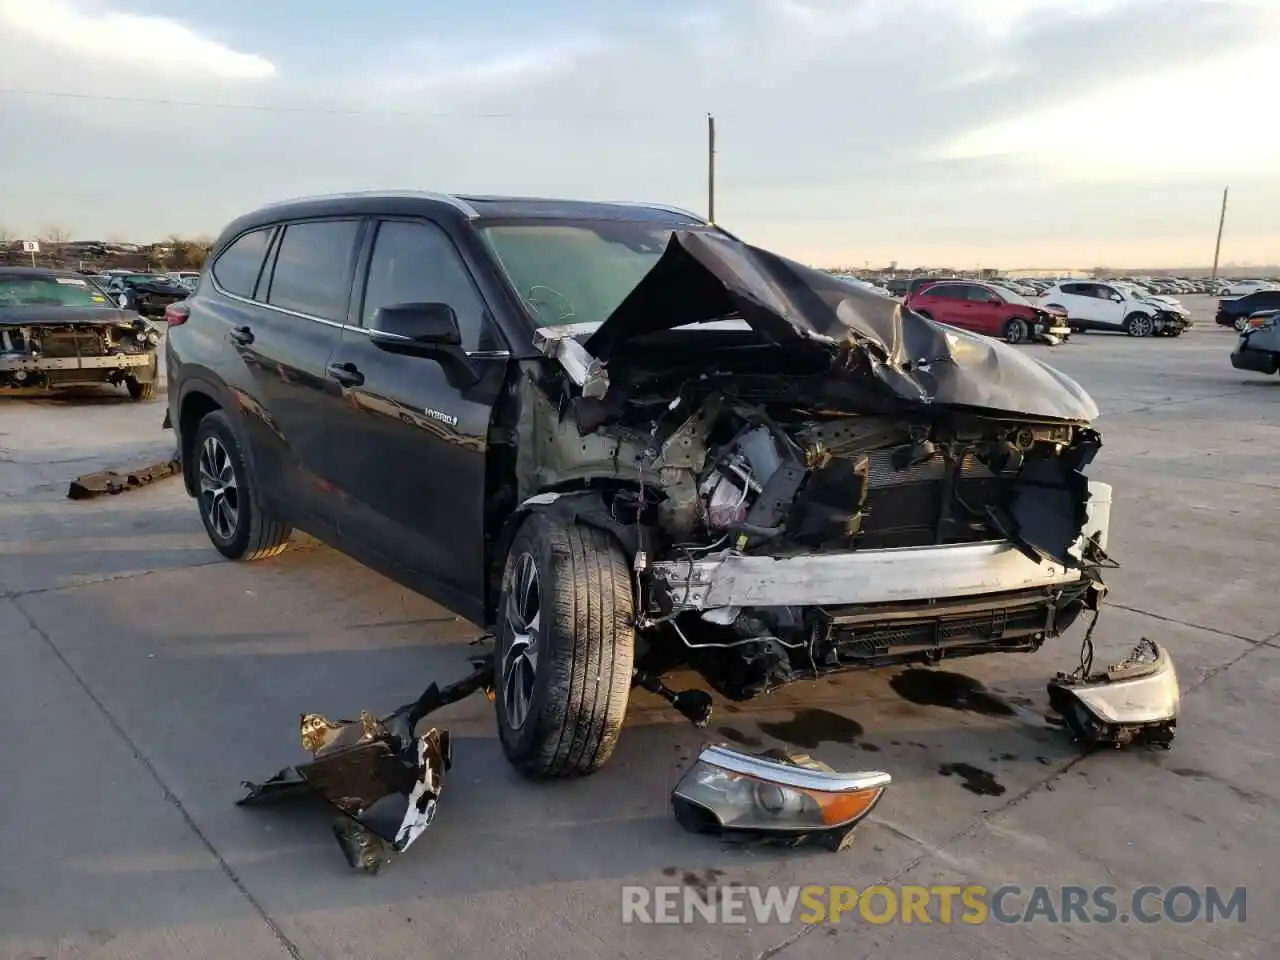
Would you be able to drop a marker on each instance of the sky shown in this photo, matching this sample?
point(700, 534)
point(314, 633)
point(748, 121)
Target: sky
point(972, 133)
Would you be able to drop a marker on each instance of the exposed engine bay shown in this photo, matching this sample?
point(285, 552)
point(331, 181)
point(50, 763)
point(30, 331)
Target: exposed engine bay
point(797, 505)
point(63, 354)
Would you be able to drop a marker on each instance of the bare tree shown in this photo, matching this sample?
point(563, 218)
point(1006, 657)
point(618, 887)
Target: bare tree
point(54, 234)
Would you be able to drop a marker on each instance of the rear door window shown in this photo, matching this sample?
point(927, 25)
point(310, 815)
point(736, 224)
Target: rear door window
point(312, 272)
point(237, 267)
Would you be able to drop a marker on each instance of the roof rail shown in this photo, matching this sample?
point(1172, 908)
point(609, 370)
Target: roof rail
point(458, 204)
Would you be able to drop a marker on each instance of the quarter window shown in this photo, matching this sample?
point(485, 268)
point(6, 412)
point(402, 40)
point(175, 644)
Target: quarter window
point(238, 266)
point(416, 262)
point(312, 273)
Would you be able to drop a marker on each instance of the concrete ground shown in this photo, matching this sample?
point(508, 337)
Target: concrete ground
point(142, 677)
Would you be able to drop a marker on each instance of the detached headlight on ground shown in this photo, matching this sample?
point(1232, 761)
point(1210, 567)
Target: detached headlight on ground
point(727, 791)
point(1136, 700)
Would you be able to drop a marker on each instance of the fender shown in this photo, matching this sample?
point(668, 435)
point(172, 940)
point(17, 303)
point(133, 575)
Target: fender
point(206, 384)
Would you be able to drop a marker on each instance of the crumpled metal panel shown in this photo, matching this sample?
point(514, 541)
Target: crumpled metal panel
point(704, 276)
point(377, 772)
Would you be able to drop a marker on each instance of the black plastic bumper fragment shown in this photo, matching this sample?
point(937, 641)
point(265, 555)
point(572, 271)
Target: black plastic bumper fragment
point(113, 481)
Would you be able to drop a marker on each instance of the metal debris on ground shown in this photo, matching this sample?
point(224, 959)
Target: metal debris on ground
point(383, 778)
point(118, 481)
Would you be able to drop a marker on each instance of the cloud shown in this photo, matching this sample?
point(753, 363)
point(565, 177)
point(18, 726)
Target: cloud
point(878, 127)
point(144, 43)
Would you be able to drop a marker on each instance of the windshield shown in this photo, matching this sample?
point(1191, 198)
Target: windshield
point(32, 291)
point(579, 271)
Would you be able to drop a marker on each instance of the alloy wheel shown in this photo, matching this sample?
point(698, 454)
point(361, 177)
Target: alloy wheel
point(1241, 323)
point(219, 489)
point(524, 622)
point(1141, 326)
point(1015, 331)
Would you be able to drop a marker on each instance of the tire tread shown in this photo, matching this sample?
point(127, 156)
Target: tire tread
point(589, 653)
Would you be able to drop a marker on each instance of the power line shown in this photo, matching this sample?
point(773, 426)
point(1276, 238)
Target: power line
point(259, 107)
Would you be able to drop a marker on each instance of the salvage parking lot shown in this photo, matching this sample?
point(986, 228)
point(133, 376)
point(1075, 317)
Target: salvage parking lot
point(142, 677)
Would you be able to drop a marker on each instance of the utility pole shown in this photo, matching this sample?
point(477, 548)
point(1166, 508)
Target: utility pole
point(711, 169)
point(1217, 247)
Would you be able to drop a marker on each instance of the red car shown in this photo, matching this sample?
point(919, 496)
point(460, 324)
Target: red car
point(990, 309)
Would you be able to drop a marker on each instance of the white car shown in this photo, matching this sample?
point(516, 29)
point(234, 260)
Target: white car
point(1242, 288)
point(1092, 305)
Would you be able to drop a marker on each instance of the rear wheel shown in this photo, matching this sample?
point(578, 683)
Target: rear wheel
point(234, 517)
point(565, 650)
point(1015, 330)
point(1138, 325)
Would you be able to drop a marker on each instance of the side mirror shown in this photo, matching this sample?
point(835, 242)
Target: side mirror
point(427, 324)
point(424, 330)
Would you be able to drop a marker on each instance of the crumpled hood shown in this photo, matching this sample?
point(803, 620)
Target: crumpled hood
point(705, 276)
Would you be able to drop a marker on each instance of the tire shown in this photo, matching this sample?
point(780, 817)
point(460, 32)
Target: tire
point(1139, 325)
point(1015, 330)
point(141, 389)
point(1240, 324)
point(561, 715)
point(219, 464)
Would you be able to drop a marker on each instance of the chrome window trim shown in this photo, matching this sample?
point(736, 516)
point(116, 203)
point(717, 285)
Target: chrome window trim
point(478, 354)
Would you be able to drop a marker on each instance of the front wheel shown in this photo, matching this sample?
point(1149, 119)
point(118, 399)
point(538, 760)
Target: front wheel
point(565, 648)
point(1240, 324)
point(231, 509)
point(1138, 325)
point(1015, 330)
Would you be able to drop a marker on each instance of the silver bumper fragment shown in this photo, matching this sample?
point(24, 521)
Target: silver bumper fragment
point(118, 361)
point(868, 576)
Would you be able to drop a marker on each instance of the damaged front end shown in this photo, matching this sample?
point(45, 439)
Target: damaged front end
point(809, 478)
point(380, 774)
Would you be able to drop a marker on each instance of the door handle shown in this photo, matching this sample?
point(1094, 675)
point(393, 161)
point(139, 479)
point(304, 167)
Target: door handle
point(242, 336)
point(347, 374)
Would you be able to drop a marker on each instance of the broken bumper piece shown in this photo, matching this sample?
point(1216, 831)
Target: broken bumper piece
point(1134, 701)
point(794, 799)
point(383, 778)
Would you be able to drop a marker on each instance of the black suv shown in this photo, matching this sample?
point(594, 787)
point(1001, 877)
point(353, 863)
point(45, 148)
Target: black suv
point(623, 441)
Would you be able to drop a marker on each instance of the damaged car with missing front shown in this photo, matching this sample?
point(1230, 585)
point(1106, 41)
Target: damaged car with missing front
point(58, 330)
point(624, 442)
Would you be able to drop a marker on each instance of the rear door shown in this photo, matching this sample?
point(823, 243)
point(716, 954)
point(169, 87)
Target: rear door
point(284, 335)
point(410, 438)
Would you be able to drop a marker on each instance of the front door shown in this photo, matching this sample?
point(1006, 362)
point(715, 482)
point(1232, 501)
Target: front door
point(985, 310)
point(410, 440)
point(1108, 306)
